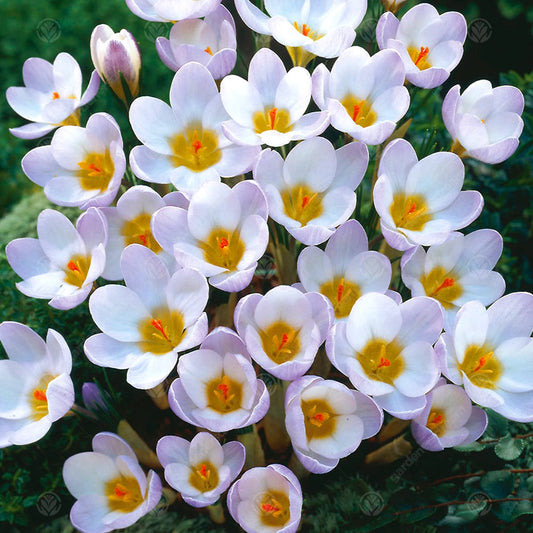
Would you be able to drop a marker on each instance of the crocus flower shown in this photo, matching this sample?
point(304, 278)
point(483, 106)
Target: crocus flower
point(269, 108)
point(146, 323)
point(484, 122)
point(51, 96)
point(211, 42)
point(364, 94)
point(117, 58)
point(184, 144)
point(345, 269)
point(63, 263)
point(431, 45)
point(307, 29)
point(222, 234)
point(129, 223)
point(201, 470)
point(283, 329)
point(386, 349)
point(327, 421)
point(171, 10)
point(421, 202)
point(312, 191)
point(218, 388)
point(110, 487)
point(35, 384)
point(266, 499)
point(82, 167)
point(457, 271)
point(490, 352)
point(449, 419)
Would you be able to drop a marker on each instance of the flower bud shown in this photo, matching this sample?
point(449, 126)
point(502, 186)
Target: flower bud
point(117, 59)
point(393, 5)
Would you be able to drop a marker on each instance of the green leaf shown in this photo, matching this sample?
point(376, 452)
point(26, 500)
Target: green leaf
point(509, 449)
point(497, 484)
point(498, 425)
point(472, 447)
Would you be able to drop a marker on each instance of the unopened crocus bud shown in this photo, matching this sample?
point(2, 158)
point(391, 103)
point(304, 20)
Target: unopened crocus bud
point(92, 397)
point(393, 5)
point(117, 59)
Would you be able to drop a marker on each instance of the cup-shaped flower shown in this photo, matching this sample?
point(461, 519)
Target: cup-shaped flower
point(431, 45)
point(421, 202)
point(312, 191)
point(110, 487)
point(269, 108)
point(218, 388)
point(183, 144)
point(117, 59)
point(35, 384)
point(364, 94)
point(307, 29)
point(345, 269)
point(386, 349)
point(327, 421)
point(170, 11)
point(222, 234)
point(266, 499)
point(51, 95)
point(211, 42)
point(82, 167)
point(146, 323)
point(484, 122)
point(456, 271)
point(64, 261)
point(201, 470)
point(129, 223)
point(490, 352)
point(283, 329)
point(448, 420)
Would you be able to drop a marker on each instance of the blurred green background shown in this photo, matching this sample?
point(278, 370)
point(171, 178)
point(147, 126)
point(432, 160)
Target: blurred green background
point(498, 48)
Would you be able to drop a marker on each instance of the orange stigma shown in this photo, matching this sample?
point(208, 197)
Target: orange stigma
point(203, 472)
point(448, 282)
point(40, 395)
point(383, 362)
point(157, 325)
point(424, 51)
point(284, 340)
point(482, 362)
point(143, 239)
point(340, 290)
point(272, 116)
point(224, 389)
point(196, 145)
point(55, 95)
point(120, 491)
point(356, 110)
point(269, 508)
point(208, 50)
point(412, 208)
point(305, 201)
point(223, 243)
point(71, 265)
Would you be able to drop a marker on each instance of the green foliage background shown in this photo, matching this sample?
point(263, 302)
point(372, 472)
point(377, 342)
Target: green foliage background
point(334, 502)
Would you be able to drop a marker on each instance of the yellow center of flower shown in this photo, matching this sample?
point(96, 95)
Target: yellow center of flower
point(223, 248)
point(123, 494)
point(409, 211)
point(96, 171)
point(272, 118)
point(442, 286)
point(38, 399)
point(280, 342)
point(342, 294)
point(204, 476)
point(138, 231)
point(196, 148)
point(224, 395)
point(319, 419)
point(161, 333)
point(436, 422)
point(381, 361)
point(360, 111)
point(274, 509)
point(76, 270)
point(481, 367)
point(302, 204)
point(419, 56)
